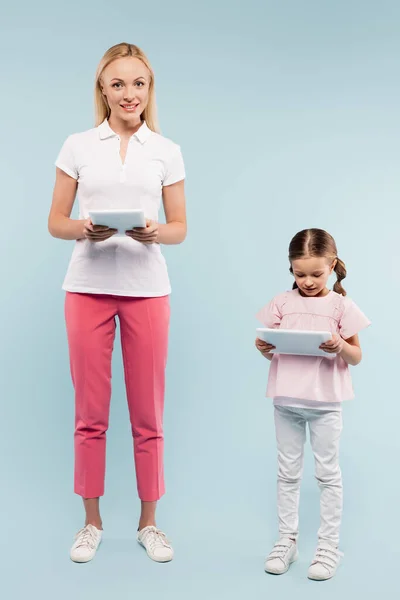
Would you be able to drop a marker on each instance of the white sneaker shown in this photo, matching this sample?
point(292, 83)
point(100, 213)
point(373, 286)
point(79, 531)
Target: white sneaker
point(87, 541)
point(325, 562)
point(156, 544)
point(281, 557)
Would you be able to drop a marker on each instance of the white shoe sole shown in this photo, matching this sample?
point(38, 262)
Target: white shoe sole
point(275, 572)
point(85, 560)
point(82, 560)
point(320, 578)
point(154, 558)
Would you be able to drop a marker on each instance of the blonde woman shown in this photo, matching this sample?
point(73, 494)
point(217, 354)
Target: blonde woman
point(123, 163)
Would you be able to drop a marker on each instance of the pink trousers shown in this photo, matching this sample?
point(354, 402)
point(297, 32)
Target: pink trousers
point(144, 324)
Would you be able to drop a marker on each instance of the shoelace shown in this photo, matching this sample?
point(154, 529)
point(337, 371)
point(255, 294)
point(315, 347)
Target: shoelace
point(85, 537)
point(155, 538)
point(327, 557)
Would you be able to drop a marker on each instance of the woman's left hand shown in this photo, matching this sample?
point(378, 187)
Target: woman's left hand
point(145, 235)
point(333, 346)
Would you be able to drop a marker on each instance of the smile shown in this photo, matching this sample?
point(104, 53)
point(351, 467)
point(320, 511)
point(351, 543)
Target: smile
point(129, 107)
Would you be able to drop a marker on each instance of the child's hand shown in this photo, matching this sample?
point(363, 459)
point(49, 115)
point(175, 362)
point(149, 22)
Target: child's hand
point(333, 346)
point(264, 347)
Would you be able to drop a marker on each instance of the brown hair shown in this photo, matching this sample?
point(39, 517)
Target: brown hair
point(102, 110)
point(317, 243)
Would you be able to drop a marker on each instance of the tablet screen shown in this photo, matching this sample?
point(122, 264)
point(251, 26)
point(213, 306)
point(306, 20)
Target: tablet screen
point(302, 343)
point(122, 220)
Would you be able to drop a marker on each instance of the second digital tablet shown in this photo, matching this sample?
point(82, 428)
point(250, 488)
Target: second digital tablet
point(120, 219)
point(289, 341)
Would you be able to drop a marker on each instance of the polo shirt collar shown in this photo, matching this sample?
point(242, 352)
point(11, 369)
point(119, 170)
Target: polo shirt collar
point(142, 134)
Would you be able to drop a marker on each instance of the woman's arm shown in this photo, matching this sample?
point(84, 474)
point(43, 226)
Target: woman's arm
point(174, 230)
point(60, 224)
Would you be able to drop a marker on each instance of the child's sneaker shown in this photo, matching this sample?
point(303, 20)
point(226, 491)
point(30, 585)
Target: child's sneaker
point(283, 554)
point(325, 562)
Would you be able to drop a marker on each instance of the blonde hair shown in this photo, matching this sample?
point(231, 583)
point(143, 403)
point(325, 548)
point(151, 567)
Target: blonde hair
point(102, 110)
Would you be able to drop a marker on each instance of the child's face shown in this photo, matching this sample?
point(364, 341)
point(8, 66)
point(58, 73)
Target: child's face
point(312, 274)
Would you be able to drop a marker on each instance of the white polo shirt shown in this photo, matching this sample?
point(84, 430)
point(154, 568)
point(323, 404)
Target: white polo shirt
point(120, 265)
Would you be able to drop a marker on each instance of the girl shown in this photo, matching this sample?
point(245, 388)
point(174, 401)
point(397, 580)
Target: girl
point(310, 390)
point(122, 163)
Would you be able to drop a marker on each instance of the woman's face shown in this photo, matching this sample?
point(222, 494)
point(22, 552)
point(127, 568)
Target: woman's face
point(311, 274)
point(125, 83)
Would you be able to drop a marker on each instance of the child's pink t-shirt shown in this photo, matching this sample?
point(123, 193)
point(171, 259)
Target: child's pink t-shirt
point(311, 378)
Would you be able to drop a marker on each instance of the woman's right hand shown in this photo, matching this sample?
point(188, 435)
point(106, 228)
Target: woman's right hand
point(97, 233)
point(264, 347)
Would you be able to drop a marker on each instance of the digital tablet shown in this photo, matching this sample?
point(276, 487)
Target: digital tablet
point(120, 219)
point(291, 341)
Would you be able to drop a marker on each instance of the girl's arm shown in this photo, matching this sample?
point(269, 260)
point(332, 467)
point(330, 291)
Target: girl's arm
point(351, 351)
point(265, 349)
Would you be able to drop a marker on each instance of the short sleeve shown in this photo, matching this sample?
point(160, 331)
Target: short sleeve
point(175, 168)
point(352, 319)
point(270, 315)
point(66, 160)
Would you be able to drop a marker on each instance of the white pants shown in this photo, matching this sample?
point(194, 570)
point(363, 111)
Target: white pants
point(325, 429)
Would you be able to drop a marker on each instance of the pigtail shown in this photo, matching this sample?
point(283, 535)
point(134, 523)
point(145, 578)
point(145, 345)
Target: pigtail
point(340, 270)
point(295, 286)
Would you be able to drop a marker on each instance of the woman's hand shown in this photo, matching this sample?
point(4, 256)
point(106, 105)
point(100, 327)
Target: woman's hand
point(264, 347)
point(333, 346)
point(145, 235)
point(97, 233)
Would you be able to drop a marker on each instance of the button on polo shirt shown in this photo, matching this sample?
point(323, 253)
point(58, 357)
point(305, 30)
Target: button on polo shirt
point(119, 266)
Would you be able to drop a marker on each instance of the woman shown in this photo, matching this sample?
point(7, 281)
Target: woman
point(122, 163)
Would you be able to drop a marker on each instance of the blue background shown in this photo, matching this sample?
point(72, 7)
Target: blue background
point(287, 114)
